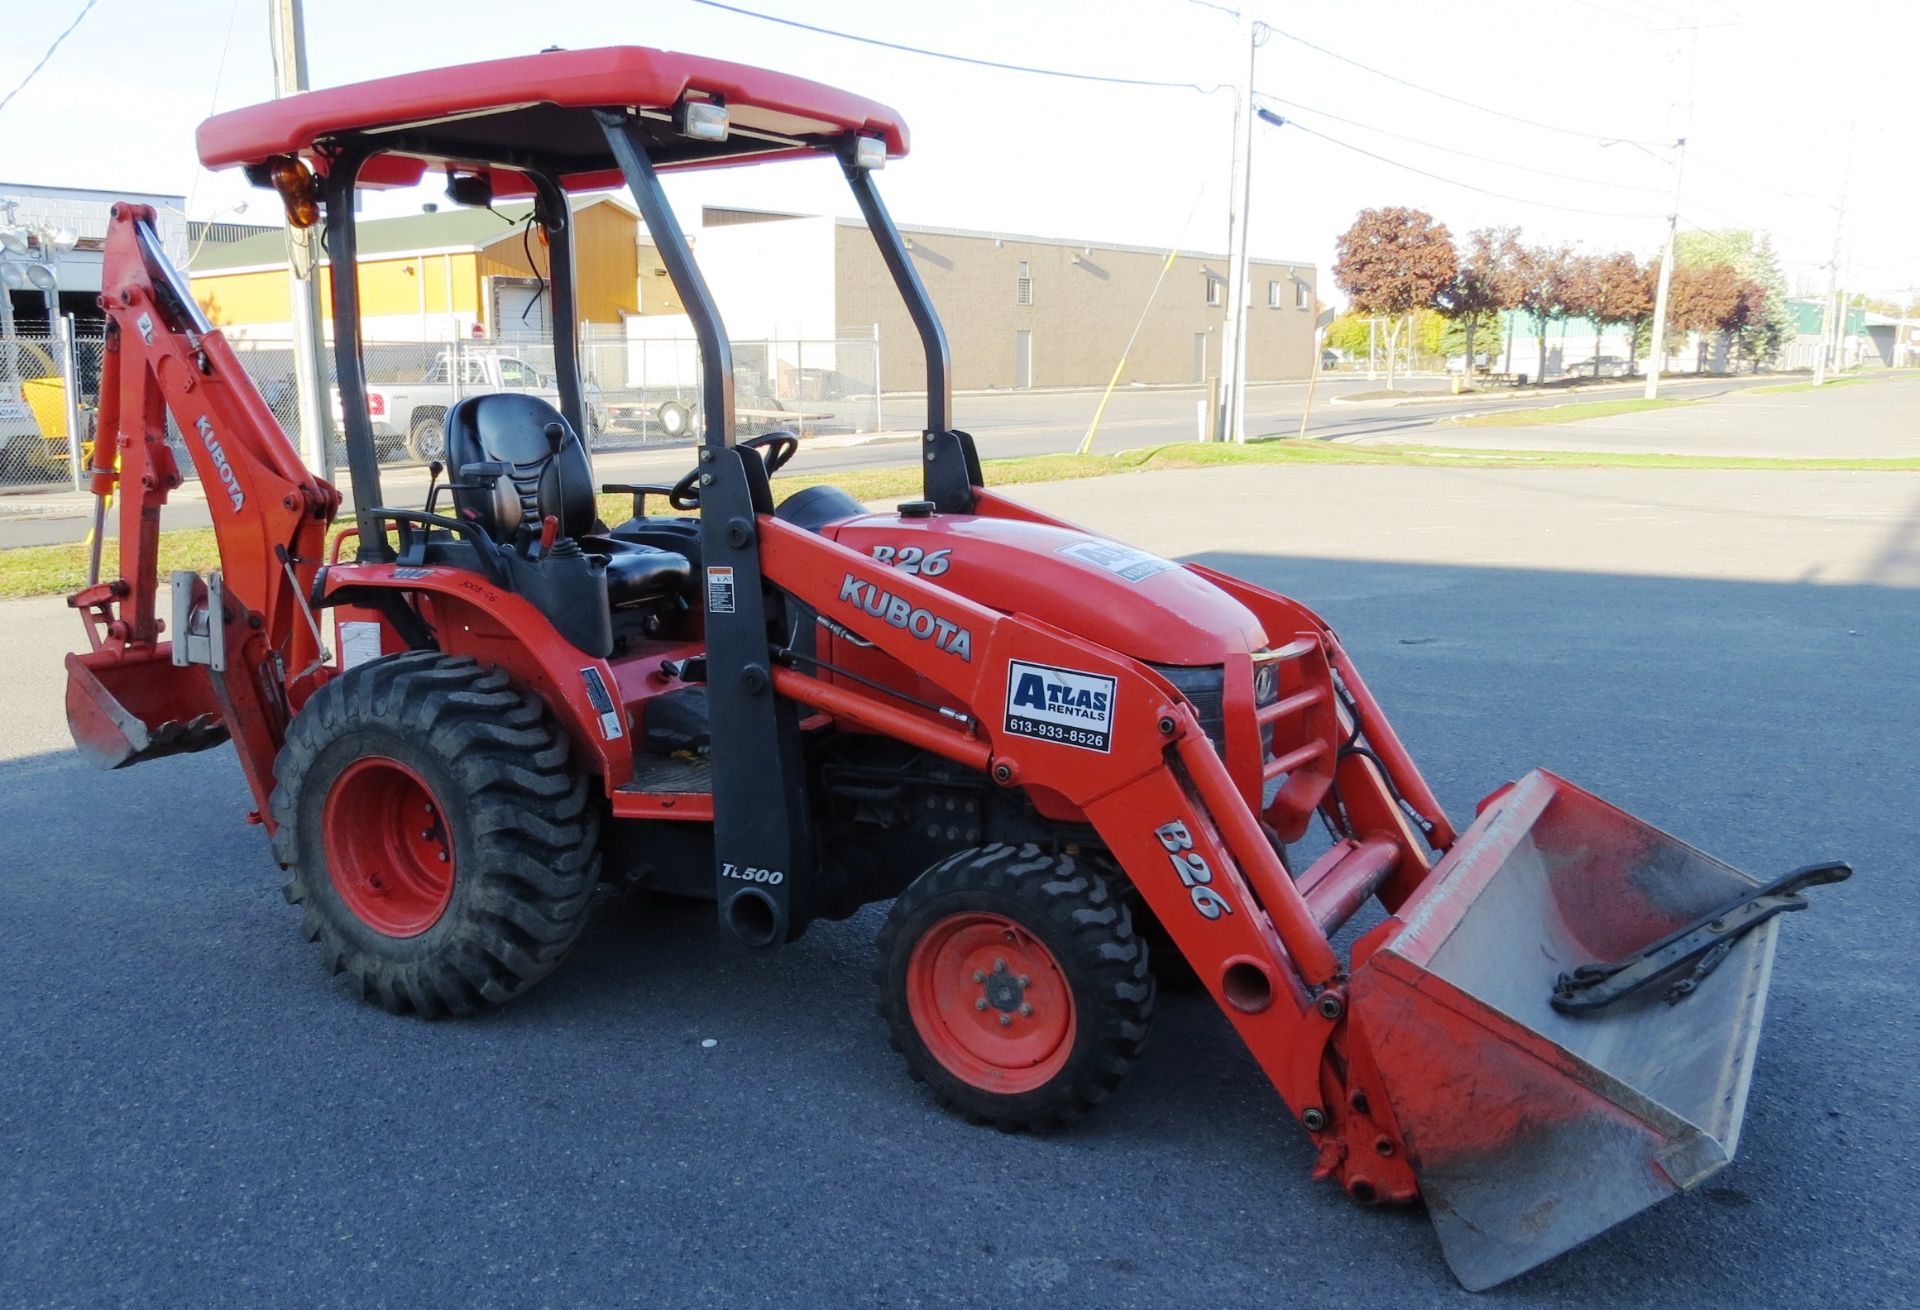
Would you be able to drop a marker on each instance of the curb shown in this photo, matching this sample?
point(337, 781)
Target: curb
point(848, 439)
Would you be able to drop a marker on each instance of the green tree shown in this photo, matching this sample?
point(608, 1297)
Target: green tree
point(1349, 334)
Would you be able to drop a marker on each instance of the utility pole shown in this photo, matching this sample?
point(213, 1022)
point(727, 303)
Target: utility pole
point(1832, 332)
point(287, 26)
point(1233, 352)
point(1659, 344)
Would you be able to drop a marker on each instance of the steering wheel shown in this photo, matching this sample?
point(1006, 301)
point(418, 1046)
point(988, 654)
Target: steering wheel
point(775, 449)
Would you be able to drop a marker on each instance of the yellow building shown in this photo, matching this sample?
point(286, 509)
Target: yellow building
point(433, 276)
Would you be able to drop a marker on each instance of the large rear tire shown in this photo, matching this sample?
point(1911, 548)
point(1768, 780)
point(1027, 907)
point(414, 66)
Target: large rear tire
point(1013, 983)
point(443, 852)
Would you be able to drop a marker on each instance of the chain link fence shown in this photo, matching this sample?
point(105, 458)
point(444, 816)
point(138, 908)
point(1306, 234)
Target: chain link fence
point(49, 395)
point(639, 392)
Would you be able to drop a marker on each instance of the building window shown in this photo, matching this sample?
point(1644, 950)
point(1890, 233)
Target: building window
point(1273, 295)
point(1023, 287)
point(1302, 298)
point(1214, 287)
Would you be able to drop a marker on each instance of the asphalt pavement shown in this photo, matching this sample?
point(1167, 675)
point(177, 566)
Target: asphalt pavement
point(1005, 424)
point(192, 1114)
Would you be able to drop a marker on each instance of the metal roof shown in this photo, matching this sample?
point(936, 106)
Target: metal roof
point(537, 107)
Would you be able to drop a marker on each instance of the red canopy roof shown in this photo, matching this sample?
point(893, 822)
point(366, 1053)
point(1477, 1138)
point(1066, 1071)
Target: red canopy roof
point(519, 92)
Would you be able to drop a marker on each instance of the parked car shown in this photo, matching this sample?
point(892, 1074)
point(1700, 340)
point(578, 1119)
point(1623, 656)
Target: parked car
point(1607, 366)
point(414, 414)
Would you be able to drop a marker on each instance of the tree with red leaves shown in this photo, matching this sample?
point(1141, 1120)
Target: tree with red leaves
point(1703, 299)
point(1544, 278)
point(1610, 290)
point(1391, 262)
point(1483, 281)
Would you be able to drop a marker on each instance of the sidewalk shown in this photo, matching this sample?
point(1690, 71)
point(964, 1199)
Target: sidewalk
point(1881, 421)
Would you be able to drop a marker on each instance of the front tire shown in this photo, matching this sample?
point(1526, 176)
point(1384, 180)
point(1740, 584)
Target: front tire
point(1013, 983)
point(442, 851)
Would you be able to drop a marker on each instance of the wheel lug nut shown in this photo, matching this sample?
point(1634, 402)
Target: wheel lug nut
point(979, 976)
point(1026, 1010)
point(980, 1004)
point(1006, 1021)
point(1023, 980)
point(426, 834)
point(443, 857)
point(999, 966)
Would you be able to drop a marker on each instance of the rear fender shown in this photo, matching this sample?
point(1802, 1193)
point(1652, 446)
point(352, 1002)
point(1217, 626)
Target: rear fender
point(468, 615)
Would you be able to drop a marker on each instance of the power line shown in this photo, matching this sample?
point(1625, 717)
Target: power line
point(1467, 186)
point(1724, 171)
point(959, 59)
point(1617, 13)
point(32, 72)
point(1427, 90)
point(1455, 150)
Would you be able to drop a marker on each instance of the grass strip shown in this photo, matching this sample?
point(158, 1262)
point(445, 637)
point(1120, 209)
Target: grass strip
point(1586, 409)
point(61, 569)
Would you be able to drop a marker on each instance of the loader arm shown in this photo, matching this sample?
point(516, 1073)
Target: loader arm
point(253, 653)
point(1163, 803)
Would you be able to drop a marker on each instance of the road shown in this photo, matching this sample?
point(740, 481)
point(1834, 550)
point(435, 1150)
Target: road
point(190, 1113)
point(1004, 424)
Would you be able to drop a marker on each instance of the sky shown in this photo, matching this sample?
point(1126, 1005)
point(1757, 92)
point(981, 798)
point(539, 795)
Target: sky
point(1570, 110)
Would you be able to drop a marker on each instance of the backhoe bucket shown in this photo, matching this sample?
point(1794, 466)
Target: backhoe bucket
point(1531, 1130)
point(125, 711)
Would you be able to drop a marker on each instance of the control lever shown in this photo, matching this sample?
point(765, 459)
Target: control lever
point(549, 530)
point(693, 669)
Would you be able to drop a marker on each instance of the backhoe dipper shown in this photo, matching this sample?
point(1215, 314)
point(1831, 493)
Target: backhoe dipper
point(1053, 752)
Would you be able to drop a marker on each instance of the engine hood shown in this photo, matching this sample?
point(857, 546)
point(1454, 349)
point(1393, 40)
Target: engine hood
point(1094, 587)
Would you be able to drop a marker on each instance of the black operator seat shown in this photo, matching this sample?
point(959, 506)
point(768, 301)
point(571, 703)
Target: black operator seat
point(815, 508)
point(511, 429)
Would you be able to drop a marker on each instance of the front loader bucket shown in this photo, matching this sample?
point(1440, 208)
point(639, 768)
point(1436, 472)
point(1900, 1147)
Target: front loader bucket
point(1531, 1130)
point(124, 711)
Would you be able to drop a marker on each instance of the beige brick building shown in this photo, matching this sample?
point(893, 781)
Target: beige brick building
point(1019, 311)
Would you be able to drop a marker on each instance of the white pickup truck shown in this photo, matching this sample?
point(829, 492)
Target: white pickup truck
point(414, 413)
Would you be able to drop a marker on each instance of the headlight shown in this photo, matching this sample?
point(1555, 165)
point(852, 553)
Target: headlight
point(702, 120)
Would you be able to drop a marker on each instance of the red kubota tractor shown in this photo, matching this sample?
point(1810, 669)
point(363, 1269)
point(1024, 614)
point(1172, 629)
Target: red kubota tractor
point(1054, 753)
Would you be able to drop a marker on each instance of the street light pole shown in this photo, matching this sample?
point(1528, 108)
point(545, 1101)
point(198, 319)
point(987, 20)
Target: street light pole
point(311, 394)
point(1830, 331)
point(1659, 344)
point(1233, 351)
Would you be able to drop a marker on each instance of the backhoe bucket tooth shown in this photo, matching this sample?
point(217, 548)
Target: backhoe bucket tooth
point(125, 711)
point(1532, 1130)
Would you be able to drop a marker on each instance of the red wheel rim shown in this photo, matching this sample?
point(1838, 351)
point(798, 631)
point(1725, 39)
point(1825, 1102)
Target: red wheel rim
point(389, 853)
point(990, 1002)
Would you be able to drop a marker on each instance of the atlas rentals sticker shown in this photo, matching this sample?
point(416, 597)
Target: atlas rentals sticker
point(1060, 705)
